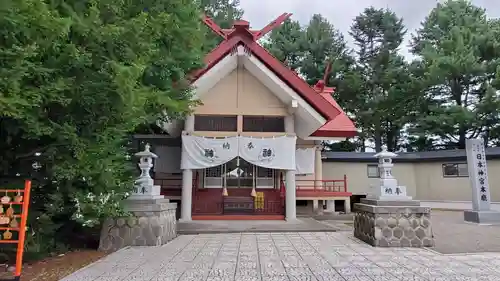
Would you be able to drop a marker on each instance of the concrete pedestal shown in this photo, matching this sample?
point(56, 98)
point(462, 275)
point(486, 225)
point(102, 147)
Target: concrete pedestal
point(383, 223)
point(482, 217)
point(152, 223)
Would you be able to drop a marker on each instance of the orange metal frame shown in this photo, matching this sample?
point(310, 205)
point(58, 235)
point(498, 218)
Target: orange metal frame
point(21, 229)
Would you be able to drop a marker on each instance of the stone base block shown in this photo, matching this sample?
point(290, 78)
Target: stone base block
point(400, 224)
point(482, 217)
point(378, 202)
point(152, 223)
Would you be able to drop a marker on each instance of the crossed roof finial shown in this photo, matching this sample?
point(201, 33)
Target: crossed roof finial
point(321, 84)
point(257, 34)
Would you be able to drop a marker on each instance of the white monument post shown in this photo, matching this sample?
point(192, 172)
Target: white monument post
point(144, 186)
point(478, 175)
point(388, 188)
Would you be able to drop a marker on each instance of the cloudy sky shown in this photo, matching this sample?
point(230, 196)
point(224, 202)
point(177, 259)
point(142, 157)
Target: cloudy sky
point(341, 12)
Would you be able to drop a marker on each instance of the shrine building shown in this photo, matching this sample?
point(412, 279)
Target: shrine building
point(252, 149)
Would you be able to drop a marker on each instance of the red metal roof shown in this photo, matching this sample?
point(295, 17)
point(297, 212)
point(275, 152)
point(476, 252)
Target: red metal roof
point(337, 125)
point(340, 126)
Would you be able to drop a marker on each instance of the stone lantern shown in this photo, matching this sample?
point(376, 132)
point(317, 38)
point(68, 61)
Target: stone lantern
point(390, 218)
point(144, 185)
point(388, 188)
point(152, 220)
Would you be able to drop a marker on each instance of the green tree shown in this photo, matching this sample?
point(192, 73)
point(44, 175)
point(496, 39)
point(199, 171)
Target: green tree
point(76, 79)
point(345, 145)
point(223, 13)
point(308, 50)
point(376, 85)
point(459, 50)
point(323, 44)
point(286, 43)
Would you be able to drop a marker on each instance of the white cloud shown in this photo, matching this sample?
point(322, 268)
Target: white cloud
point(341, 12)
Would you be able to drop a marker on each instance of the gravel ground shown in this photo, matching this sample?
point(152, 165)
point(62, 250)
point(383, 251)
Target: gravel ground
point(452, 235)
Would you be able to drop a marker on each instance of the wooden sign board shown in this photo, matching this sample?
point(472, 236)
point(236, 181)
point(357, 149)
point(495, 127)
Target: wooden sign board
point(259, 201)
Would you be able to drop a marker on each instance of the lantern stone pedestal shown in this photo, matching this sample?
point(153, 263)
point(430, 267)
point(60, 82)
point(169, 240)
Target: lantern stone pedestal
point(383, 223)
point(390, 218)
point(152, 221)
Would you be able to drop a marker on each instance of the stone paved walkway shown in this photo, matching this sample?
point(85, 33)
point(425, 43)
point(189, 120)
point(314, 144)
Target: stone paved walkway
point(305, 256)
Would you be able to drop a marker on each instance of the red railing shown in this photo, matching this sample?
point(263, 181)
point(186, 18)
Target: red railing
point(172, 186)
point(323, 185)
point(307, 188)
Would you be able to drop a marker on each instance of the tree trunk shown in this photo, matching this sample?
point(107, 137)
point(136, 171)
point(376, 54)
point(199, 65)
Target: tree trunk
point(362, 145)
point(486, 137)
point(378, 140)
point(462, 137)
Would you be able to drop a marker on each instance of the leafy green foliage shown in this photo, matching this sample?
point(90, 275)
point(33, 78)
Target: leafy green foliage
point(223, 13)
point(322, 44)
point(458, 47)
point(370, 84)
point(76, 79)
point(307, 50)
point(286, 43)
point(379, 76)
point(449, 93)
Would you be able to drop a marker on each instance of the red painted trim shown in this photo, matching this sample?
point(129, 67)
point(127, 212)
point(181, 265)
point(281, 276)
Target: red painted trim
point(278, 21)
point(286, 75)
point(320, 193)
point(293, 80)
point(334, 134)
point(335, 186)
point(236, 217)
point(240, 35)
point(212, 25)
point(215, 56)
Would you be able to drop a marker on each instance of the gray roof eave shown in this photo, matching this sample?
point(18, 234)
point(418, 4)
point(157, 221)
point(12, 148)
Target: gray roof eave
point(425, 156)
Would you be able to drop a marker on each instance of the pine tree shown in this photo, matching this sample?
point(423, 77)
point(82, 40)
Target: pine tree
point(286, 43)
point(458, 49)
point(375, 89)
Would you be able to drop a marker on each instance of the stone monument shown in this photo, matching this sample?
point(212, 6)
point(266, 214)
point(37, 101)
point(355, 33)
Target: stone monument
point(389, 217)
point(478, 175)
point(152, 221)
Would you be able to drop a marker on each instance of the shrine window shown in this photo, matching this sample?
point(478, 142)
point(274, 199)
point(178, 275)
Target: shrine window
point(455, 170)
point(225, 123)
point(213, 177)
point(263, 124)
point(372, 171)
point(265, 177)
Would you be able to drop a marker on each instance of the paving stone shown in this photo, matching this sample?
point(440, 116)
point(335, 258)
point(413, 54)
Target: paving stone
point(245, 272)
point(275, 278)
point(285, 256)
